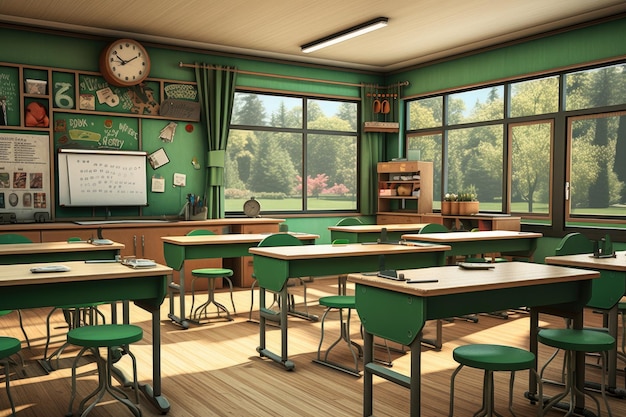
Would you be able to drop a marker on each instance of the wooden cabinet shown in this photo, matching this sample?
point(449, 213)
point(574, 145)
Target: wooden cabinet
point(405, 191)
point(482, 222)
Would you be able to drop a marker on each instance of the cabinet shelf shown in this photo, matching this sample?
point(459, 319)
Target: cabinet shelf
point(405, 191)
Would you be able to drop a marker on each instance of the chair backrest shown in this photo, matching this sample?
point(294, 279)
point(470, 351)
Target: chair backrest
point(280, 239)
point(200, 232)
point(433, 228)
point(13, 238)
point(574, 244)
point(349, 221)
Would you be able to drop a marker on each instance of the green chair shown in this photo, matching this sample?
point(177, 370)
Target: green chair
point(14, 238)
point(572, 341)
point(283, 239)
point(112, 337)
point(349, 221)
point(8, 346)
point(493, 358)
point(211, 275)
point(75, 315)
point(340, 303)
point(433, 228)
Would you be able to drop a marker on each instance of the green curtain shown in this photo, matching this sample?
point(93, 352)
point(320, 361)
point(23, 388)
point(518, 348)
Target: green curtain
point(371, 152)
point(216, 92)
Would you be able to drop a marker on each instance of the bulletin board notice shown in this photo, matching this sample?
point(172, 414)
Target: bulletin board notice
point(24, 175)
point(97, 178)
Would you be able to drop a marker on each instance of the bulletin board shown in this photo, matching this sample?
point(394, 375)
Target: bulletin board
point(102, 178)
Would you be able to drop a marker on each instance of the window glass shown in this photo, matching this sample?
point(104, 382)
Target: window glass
point(530, 167)
point(529, 98)
point(475, 159)
point(428, 148)
point(596, 88)
point(425, 113)
point(251, 109)
point(597, 168)
point(268, 145)
point(329, 115)
point(475, 106)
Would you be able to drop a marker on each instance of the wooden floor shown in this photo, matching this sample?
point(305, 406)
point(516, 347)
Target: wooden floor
point(214, 370)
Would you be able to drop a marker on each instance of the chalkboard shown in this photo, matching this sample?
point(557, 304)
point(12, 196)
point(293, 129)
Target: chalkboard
point(102, 178)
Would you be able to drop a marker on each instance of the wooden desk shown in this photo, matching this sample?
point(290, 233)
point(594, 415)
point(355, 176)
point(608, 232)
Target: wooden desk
point(456, 293)
point(177, 249)
point(274, 266)
point(372, 232)
point(606, 293)
point(90, 283)
point(471, 243)
point(56, 251)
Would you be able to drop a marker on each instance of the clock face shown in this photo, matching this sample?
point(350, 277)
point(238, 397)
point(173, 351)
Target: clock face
point(124, 63)
point(251, 208)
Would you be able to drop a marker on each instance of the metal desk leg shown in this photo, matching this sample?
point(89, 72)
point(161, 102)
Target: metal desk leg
point(154, 395)
point(368, 376)
point(416, 375)
point(180, 288)
point(281, 317)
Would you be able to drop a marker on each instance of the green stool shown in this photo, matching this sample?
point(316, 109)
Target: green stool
point(211, 274)
point(341, 303)
point(572, 341)
point(492, 358)
point(8, 346)
point(111, 337)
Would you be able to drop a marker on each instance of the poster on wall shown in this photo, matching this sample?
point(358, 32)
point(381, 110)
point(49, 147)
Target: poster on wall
point(24, 176)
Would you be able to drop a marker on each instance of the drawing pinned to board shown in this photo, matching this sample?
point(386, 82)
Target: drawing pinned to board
point(158, 184)
point(168, 132)
point(158, 158)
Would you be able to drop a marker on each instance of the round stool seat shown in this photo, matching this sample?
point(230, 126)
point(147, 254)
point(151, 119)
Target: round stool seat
point(579, 340)
point(105, 335)
point(212, 272)
point(9, 346)
point(338, 301)
point(494, 357)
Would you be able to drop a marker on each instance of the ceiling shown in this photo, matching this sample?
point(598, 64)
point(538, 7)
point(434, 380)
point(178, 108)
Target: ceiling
point(419, 30)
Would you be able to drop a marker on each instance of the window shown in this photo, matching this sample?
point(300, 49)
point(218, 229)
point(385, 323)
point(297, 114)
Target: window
point(597, 172)
point(512, 140)
point(293, 154)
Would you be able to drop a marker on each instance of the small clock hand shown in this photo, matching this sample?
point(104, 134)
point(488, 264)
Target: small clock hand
point(119, 58)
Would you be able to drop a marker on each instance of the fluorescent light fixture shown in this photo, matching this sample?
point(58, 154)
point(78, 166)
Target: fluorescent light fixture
point(344, 35)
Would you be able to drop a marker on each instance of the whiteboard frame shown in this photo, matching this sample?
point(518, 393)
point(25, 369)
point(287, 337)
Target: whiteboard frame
point(64, 181)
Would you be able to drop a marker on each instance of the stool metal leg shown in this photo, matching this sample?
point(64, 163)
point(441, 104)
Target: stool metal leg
point(202, 310)
point(355, 348)
point(7, 372)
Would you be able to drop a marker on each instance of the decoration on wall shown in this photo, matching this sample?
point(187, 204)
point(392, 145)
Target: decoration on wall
point(143, 100)
point(381, 108)
point(168, 132)
point(62, 98)
point(87, 102)
point(189, 127)
point(180, 180)
point(107, 96)
point(36, 115)
point(158, 184)
point(195, 163)
point(3, 111)
point(181, 91)
point(180, 109)
point(158, 158)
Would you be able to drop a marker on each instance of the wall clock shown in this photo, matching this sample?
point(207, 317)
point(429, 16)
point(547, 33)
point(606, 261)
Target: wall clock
point(124, 63)
point(251, 208)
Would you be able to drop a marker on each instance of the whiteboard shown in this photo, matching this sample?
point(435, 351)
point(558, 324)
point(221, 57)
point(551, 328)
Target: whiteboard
point(102, 178)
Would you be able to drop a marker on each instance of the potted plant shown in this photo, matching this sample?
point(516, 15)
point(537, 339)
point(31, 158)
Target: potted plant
point(468, 201)
point(449, 200)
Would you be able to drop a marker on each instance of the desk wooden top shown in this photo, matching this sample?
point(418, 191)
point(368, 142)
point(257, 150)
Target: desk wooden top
point(228, 239)
point(54, 247)
point(376, 228)
point(452, 237)
point(19, 274)
point(588, 261)
point(455, 280)
point(338, 251)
